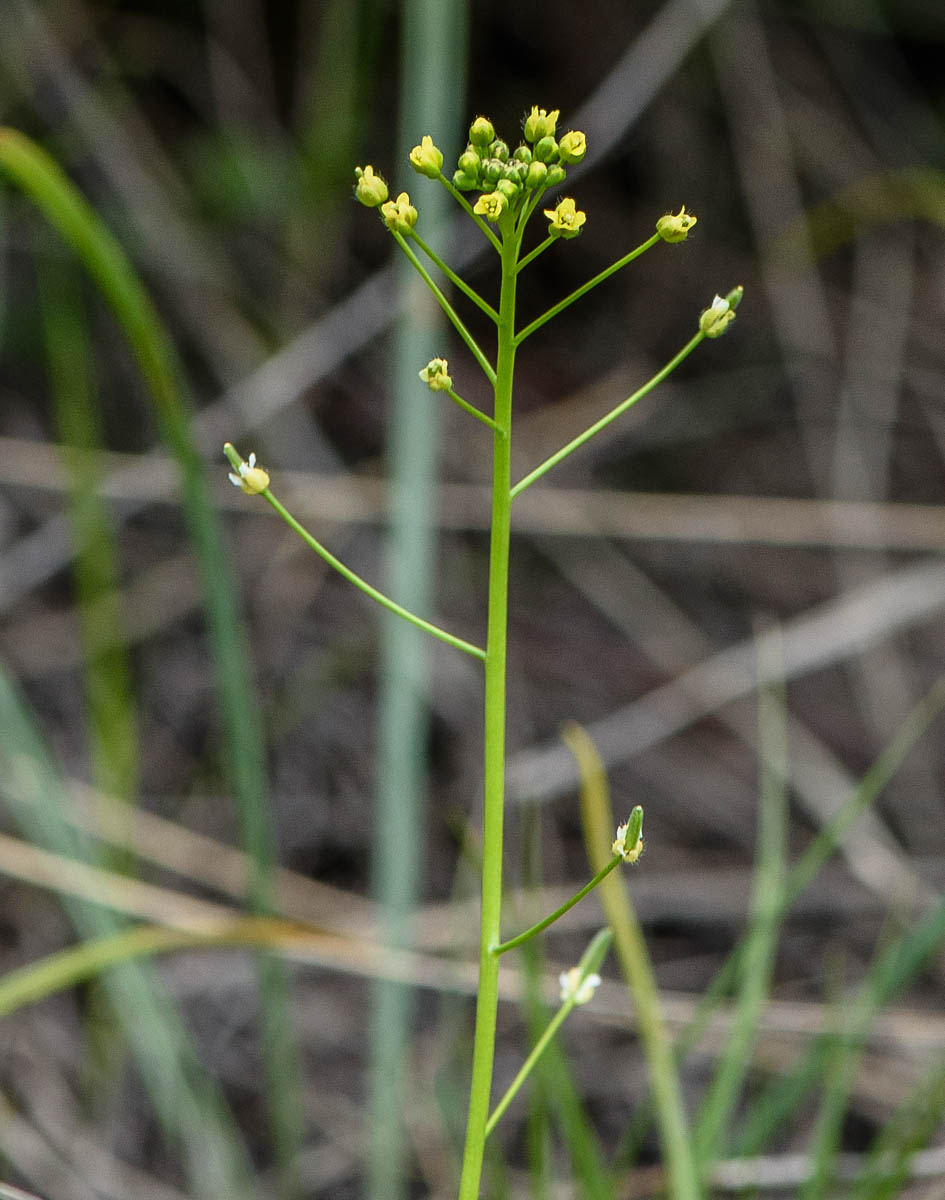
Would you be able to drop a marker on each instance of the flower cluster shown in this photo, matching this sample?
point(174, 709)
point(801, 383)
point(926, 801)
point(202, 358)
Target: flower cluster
point(506, 177)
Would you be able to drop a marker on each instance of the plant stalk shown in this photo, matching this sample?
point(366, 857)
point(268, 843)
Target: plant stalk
point(494, 727)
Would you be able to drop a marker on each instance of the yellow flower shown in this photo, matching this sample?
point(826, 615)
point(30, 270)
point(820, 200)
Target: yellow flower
point(399, 215)
point(490, 205)
point(566, 219)
point(247, 476)
point(426, 159)
point(540, 124)
point(674, 227)
point(436, 375)
point(572, 147)
point(371, 190)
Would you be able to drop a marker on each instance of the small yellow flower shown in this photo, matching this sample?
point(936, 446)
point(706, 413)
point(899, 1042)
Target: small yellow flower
point(717, 317)
point(490, 205)
point(539, 123)
point(399, 215)
point(370, 189)
point(674, 227)
point(566, 219)
point(576, 989)
point(426, 159)
point(436, 375)
point(572, 147)
point(247, 476)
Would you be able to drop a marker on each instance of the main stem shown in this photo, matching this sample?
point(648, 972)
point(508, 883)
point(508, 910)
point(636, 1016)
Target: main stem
point(494, 727)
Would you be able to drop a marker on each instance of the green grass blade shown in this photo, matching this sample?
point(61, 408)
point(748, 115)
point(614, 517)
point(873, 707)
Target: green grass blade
point(433, 50)
point(70, 214)
point(187, 1104)
point(599, 826)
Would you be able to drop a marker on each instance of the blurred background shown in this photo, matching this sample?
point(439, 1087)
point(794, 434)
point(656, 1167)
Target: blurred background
point(788, 477)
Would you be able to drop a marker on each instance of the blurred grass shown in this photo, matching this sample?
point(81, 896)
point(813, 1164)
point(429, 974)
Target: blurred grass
point(229, 183)
point(67, 211)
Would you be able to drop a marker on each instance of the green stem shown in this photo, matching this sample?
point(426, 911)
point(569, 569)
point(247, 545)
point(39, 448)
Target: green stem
point(611, 416)
point(529, 1064)
point(448, 309)
point(450, 274)
point(559, 912)
point(540, 248)
point(591, 283)
point(464, 203)
point(494, 725)
point(474, 412)
point(365, 587)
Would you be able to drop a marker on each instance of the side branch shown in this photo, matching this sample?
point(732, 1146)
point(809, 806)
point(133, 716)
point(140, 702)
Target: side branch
point(611, 416)
point(366, 588)
point(584, 288)
point(451, 313)
point(460, 283)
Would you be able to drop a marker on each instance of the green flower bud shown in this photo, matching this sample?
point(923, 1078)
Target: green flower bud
point(675, 227)
point(491, 170)
point(539, 124)
point(537, 173)
point(566, 219)
point(572, 147)
point(717, 317)
point(556, 174)
point(481, 132)
point(499, 150)
point(469, 162)
point(522, 154)
point(628, 843)
point(491, 205)
point(426, 159)
point(436, 375)
point(370, 189)
point(399, 215)
point(509, 188)
point(546, 150)
point(513, 170)
point(465, 183)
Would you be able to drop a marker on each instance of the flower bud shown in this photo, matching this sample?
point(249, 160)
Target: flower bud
point(628, 843)
point(522, 154)
point(539, 124)
point(481, 132)
point(469, 162)
point(465, 183)
point(370, 189)
point(717, 317)
point(491, 205)
point(572, 147)
point(556, 174)
point(436, 375)
point(509, 188)
point(491, 170)
point(399, 215)
point(546, 150)
point(566, 219)
point(675, 227)
point(426, 159)
point(536, 176)
point(499, 150)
